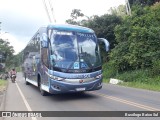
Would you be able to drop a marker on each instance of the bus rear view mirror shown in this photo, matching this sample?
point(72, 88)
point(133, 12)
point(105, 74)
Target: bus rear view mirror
point(105, 42)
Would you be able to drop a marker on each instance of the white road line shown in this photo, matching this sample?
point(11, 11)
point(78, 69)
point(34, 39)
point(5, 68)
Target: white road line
point(25, 101)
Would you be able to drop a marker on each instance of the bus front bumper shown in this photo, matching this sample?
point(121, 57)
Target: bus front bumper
point(57, 87)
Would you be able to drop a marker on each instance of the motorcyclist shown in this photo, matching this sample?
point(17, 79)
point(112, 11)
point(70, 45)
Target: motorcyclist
point(13, 72)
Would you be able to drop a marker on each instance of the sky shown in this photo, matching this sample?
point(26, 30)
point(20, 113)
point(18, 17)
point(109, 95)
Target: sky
point(20, 19)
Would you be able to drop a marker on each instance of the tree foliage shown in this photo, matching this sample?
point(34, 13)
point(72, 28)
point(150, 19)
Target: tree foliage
point(138, 39)
point(143, 2)
point(6, 51)
point(75, 14)
point(119, 11)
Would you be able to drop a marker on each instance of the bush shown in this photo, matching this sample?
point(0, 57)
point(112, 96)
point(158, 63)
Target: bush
point(133, 76)
point(109, 70)
point(138, 40)
point(155, 68)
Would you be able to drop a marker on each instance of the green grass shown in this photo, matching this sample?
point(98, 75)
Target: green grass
point(138, 78)
point(155, 87)
point(3, 84)
point(106, 80)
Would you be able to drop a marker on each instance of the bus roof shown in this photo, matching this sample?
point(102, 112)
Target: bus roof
point(68, 27)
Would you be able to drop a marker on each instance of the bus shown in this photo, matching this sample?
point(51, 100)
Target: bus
point(64, 59)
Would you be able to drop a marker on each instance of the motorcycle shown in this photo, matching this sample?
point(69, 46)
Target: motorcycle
point(13, 78)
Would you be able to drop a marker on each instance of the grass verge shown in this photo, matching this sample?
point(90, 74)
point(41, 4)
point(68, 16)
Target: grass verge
point(3, 84)
point(138, 78)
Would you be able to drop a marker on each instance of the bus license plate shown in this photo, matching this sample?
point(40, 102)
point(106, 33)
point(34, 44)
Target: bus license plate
point(80, 89)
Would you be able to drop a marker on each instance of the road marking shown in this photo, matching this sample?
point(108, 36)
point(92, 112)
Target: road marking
point(25, 101)
point(127, 102)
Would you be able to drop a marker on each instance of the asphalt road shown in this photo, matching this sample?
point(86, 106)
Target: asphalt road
point(21, 97)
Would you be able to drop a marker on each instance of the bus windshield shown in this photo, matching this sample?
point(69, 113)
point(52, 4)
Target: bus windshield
point(74, 50)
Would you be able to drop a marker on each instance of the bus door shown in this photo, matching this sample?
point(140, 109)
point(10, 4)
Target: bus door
point(44, 66)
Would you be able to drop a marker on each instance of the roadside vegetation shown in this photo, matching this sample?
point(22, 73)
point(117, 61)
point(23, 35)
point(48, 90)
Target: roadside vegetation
point(3, 85)
point(136, 78)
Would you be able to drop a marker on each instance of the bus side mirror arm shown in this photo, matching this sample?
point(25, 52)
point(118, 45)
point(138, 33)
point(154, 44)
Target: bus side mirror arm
point(105, 42)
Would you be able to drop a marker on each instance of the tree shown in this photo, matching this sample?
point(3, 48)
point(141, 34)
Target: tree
point(119, 11)
point(75, 14)
point(138, 39)
point(71, 21)
point(6, 51)
point(143, 2)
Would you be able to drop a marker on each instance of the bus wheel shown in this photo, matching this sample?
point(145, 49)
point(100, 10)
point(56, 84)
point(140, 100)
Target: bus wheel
point(43, 93)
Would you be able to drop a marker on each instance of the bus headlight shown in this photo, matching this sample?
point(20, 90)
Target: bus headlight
point(56, 78)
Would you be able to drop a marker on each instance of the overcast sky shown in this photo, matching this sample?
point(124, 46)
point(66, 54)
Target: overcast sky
point(22, 18)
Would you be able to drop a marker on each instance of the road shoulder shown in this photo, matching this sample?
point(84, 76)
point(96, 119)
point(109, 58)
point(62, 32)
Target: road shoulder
point(3, 97)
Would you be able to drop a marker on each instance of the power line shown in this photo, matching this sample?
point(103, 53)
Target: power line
point(46, 9)
point(49, 10)
point(52, 11)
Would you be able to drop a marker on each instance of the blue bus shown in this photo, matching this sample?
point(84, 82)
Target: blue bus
point(64, 59)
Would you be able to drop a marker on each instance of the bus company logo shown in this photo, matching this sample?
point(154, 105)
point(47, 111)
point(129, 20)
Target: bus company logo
point(86, 75)
point(80, 81)
point(80, 76)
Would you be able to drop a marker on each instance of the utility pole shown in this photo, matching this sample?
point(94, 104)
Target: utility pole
point(128, 9)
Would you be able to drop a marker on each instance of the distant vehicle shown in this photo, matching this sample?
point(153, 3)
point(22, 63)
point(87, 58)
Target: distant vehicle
point(64, 59)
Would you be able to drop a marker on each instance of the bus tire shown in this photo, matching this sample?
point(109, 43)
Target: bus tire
point(43, 93)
